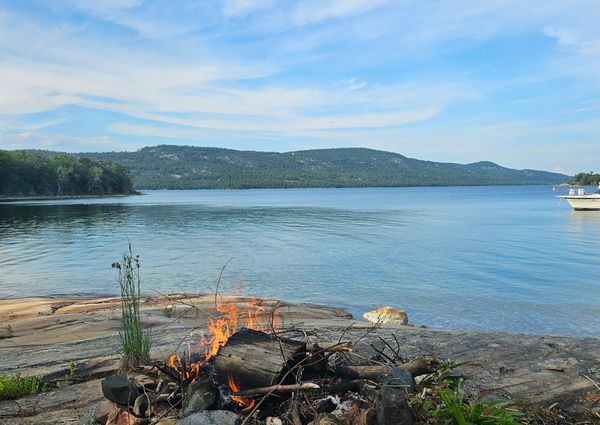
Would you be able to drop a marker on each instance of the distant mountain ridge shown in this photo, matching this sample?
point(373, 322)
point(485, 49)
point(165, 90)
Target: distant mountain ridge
point(187, 167)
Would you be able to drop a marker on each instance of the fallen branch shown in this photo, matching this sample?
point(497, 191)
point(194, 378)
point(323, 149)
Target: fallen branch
point(333, 347)
point(280, 389)
point(416, 367)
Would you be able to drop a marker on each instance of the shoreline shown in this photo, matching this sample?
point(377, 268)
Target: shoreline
point(9, 199)
point(49, 334)
point(140, 191)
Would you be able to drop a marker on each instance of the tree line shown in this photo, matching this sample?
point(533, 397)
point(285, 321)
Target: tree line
point(28, 174)
point(187, 167)
point(585, 179)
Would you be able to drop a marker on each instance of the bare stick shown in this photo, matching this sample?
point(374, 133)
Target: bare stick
point(280, 389)
point(337, 347)
point(219, 283)
point(388, 358)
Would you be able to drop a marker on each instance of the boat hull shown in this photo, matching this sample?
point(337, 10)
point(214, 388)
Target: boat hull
point(584, 203)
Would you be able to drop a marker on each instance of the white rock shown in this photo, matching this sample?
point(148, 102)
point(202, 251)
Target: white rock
point(387, 315)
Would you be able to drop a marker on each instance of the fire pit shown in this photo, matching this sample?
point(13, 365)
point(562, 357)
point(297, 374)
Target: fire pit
point(247, 371)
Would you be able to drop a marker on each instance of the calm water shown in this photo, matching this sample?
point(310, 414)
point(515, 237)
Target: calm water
point(502, 258)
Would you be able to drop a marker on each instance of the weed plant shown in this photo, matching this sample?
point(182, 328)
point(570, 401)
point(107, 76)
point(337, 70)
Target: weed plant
point(12, 387)
point(444, 400)
point(135, 341)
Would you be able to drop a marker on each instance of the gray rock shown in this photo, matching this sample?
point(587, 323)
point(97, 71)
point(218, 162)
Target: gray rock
point(392, 408)
point(328, 419)
point(118, 389)
point(211, 417)
point(89, 417)
point(398, 378)
point(199, 396)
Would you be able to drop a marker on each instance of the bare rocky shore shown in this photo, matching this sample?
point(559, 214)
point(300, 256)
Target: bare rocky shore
point(48, 335)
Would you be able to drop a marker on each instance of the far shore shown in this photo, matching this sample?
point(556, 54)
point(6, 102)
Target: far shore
point(141, 191)
point(58, 198)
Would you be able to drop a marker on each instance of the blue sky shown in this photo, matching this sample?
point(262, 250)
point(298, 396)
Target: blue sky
point(515, 82)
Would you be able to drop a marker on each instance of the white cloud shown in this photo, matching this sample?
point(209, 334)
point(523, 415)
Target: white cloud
point(313, 11)
point(242, 7)
point(565, 37)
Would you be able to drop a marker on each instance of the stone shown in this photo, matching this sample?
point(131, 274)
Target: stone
point(273, 421)
point(178, 311)
point(391, 407)
point(211, 417)
point(199, 396)
point(387, 315)
point(328, 419)
point(103, 410)
point(118, 389)
point(140, 405)
point(398, 378)
point(325, 405)
point(89, 417)
point(123, 417)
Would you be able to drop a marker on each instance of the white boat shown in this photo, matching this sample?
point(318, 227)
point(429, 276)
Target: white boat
point(580, 200)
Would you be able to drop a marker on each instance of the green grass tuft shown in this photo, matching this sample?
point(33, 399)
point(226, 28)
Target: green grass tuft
point(12, 387)
point(444, 400)
point(135, 341)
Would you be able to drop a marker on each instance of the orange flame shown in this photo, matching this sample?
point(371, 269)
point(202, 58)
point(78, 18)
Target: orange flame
point(220, 330)
point(246, 403)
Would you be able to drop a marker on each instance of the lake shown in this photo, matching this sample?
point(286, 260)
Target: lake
point(510, 258)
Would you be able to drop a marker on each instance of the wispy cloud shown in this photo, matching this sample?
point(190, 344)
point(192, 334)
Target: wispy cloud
point(446, 79)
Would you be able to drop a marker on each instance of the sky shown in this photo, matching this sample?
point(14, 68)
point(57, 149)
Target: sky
point(514, 82)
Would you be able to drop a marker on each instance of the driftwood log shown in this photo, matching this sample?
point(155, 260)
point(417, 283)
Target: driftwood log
point(416, 367)
point(255, 359)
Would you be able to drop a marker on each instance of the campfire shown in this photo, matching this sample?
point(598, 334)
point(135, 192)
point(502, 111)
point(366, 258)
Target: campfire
point(251, 369)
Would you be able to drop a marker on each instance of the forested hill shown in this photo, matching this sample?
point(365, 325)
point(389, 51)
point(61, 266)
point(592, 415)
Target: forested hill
point(44, 174)
point(184, 167)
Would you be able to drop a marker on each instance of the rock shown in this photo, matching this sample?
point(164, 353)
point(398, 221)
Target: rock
point(103, 410)
point(140, 405)
point(328, 419)
point(325, 405)
point(398, 378)
point(392, 408)
point(89, 417)
point(211, 417)
point(118, 389)
point(199, 396)
point(273, 421)
point(123, 417)
point(180, 310)
point(387, 315)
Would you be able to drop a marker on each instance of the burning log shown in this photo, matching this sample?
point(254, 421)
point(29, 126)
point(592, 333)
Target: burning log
point(256, 359)
point(416, 367)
